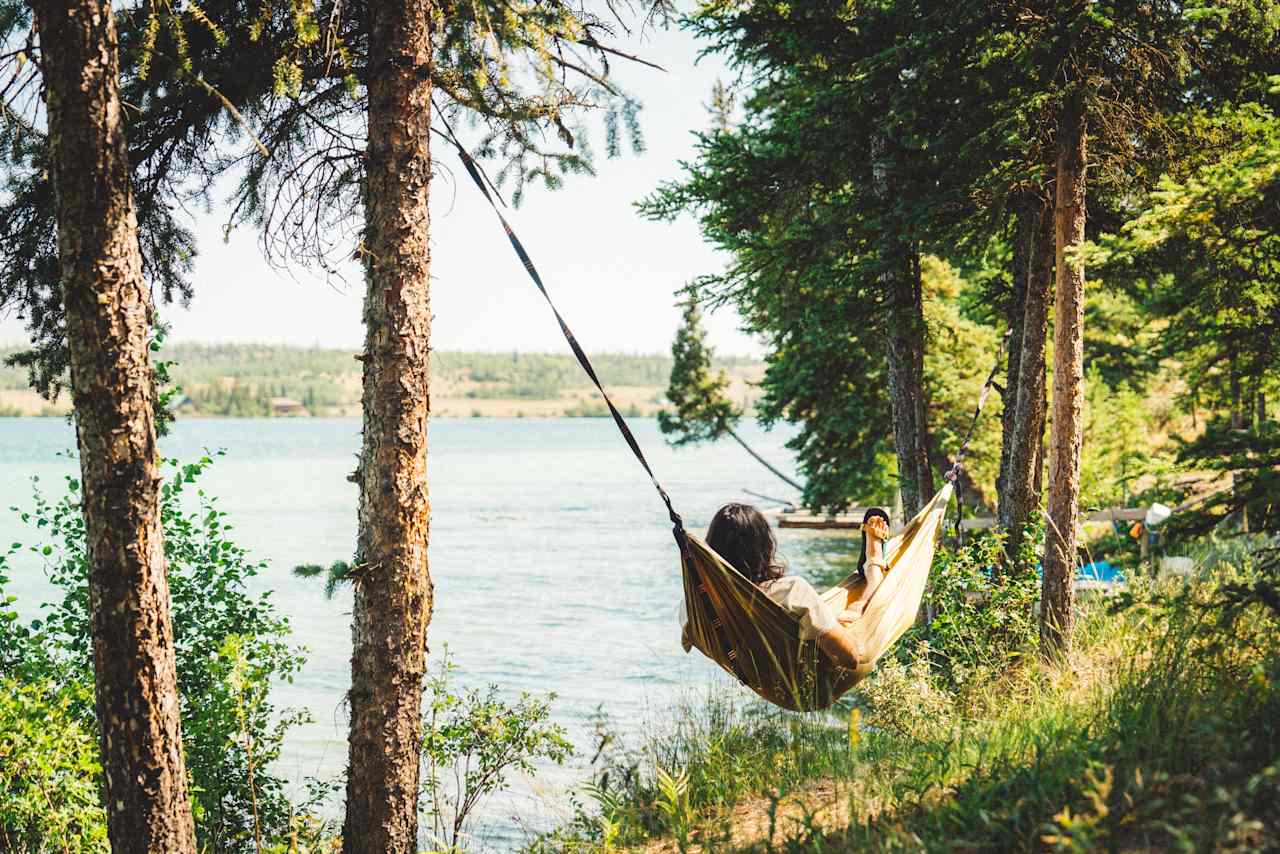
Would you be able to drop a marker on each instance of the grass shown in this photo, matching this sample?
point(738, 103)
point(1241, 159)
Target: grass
point(1162, 733)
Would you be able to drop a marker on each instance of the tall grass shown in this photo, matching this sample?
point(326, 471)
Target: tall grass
point(1162, 733)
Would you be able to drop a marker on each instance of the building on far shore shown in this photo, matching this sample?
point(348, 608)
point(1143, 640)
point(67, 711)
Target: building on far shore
point(287, 407)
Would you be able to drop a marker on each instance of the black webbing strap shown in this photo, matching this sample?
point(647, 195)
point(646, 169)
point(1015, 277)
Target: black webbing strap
point(474, 172)
point(954, 472)
point(686, 558)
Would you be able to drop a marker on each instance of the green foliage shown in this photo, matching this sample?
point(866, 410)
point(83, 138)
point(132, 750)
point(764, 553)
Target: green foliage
point(518, 78)
point(983, 609)
point(1202, 250)
point(955, 106)
point(673, 802)
point(703, 412)
point(957, 361)
point(1116, 449)
point(1250, 458)
point(239, 380)
point(472, 740)
point(696, 762)
point(231, 647)
point(849, 166)
point(49, 772)
point(1162, 736)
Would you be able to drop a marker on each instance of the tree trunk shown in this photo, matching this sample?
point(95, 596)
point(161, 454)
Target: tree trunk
point(1238, 422)
point(108, 316)
point(393, 594)
point(1023, 484)
point(1057, 591)
point(906, 387)
point(761, 460)
point(906, 334)
point(1014, 314)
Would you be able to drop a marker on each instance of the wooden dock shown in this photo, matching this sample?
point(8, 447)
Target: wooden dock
point(852, 521)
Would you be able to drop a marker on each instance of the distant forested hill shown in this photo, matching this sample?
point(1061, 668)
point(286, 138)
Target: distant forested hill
point(256, 380)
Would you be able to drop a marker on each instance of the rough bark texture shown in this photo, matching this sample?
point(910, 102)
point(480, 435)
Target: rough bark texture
point(1022, 486)
point(906, 335)
point(108, 307)
point(906, 387)
point(1057, 592)
point(393, 589)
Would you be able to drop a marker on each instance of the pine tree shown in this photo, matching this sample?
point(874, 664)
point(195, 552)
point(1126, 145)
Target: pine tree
point(107, 311)
point(344, 169)
point(703, 411)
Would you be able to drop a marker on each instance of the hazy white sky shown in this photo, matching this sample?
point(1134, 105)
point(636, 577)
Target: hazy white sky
point(612, 273)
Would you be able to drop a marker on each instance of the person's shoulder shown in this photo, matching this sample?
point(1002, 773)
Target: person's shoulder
point(791, 583)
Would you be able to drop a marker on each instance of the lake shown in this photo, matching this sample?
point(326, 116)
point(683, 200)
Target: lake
point(552, 556)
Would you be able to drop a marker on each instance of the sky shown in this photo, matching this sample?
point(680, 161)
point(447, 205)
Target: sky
point(612, 274)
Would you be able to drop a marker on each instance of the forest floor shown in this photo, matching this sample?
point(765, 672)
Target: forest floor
point(1161, 732)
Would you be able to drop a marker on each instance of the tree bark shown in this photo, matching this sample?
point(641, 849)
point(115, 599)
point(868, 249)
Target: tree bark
point(393, 593)
point(1023, 481)
point(108, 319)
point(906, 387)
point(1057, 590)
point(905, 339)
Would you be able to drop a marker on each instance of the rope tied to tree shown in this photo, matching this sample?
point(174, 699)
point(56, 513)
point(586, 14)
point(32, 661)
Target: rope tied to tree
point(953, 473)
point(481, 182)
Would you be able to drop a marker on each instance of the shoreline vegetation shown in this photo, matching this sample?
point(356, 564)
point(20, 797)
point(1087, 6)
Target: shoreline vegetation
point(1161, 734)
point(256, 381)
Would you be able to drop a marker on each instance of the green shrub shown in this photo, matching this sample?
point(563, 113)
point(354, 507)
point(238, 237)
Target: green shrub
point(689, 772)
point(49, 773)
point(983, 610)
point(231, 647)
point(471, 741)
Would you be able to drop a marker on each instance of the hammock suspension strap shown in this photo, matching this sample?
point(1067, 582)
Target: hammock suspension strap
point(677, 523)
point(953, 473)
point(474, 171)
point(730, 654)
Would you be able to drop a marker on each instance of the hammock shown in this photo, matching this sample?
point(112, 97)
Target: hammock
point(731, 620)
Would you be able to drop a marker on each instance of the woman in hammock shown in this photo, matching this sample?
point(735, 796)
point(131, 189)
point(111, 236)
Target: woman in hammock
point(741, 535)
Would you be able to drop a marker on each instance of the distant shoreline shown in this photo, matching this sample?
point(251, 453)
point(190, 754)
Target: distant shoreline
point(196, 416)
point(252, 381)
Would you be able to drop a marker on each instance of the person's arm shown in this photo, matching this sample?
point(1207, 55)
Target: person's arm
point(841, 648)
point(819, 622)
point(873, 569)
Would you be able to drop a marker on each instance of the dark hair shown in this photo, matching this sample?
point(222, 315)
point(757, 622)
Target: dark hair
point(871, 513)
point(741, 535)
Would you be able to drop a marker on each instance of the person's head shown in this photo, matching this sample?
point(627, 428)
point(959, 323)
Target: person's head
point(872, 513)
point(741, 535)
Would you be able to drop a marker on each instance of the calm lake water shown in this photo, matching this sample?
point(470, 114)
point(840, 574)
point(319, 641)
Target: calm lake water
point(553, 561)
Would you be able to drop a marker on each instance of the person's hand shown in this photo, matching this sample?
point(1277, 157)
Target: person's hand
point(876, 527)
point(850, 615)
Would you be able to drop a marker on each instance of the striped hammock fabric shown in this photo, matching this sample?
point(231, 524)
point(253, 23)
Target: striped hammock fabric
point(737, 626)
